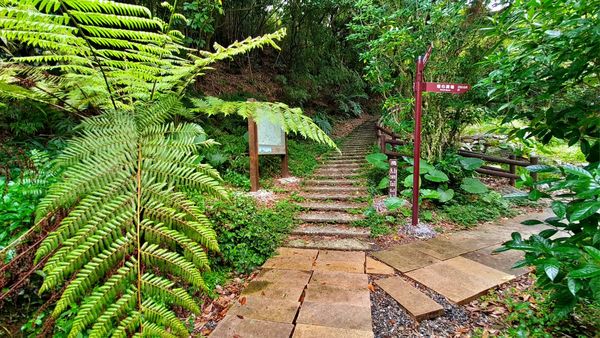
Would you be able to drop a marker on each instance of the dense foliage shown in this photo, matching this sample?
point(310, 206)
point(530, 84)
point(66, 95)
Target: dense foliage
point(567, 253)
point(545, 71)
point(389, 35)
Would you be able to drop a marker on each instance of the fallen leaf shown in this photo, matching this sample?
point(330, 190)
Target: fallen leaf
point(243, 300)
point(371, 287)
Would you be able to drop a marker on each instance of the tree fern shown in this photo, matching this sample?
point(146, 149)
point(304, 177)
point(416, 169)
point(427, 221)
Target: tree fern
point(131, 230)
point(133, 241)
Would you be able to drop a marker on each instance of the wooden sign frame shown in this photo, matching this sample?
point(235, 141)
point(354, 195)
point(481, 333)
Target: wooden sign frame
point(254, 153)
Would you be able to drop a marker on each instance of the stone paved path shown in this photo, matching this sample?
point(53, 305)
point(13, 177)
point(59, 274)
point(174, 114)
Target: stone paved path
point(304, 293)
point(334, 196)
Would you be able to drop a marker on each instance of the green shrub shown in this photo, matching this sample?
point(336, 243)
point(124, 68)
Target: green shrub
point(20, 196)
point(470, 210)
point(566, 255)
point(248, 234)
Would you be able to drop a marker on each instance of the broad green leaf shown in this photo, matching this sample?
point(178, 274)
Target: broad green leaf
point(430, 194)
point(377, 157)
point(588, 271)
point(393, 203)
point(470, 163)
point(435, 175)
point(571, 169)
point(551, 270)
point(378, 160)
point(541, 168)
point(408, 181)
point(584, 210)
point(473, 186)
point(559, 208)
point(573, 285)
point(445, 195)
point(384, 183)
point(593, 252)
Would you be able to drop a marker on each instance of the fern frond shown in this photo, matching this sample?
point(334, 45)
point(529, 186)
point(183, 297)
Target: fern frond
point(158, 314)
point(162, 290)
point(99, 299)
point(290, 119)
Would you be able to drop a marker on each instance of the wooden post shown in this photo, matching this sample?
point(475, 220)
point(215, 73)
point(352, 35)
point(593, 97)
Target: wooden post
point(393, 191)
point(253, 151)
point(534, 160)
point(285, 170)
point(512, 169)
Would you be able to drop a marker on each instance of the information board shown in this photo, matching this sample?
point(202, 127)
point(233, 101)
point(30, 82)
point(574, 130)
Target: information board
point(271, 138)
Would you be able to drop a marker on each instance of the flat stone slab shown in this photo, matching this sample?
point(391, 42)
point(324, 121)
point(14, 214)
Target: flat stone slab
point(267, 289)
point(328, 217)
point(345, 261)
point(341, 280)
point(289, 263)
point(329, 243)
point(274, 310)
point(502, 261)
point(292, 278)
point(376, 267)
point(405, 258)
point(442, 248)
point(332, 206)
point(295, 252)
point(332, 294)
point(459, 279)
point(336, 315)
point(338, 174)
point(331, 230)
point(314, 331)
point(348, 256)
point(416, 303)
point(234, 326)
point(330, 196)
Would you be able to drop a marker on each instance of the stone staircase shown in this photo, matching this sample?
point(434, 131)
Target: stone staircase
point(333, 198)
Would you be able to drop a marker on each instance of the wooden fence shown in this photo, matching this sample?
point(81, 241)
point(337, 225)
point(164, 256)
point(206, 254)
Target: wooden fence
point(385, 136)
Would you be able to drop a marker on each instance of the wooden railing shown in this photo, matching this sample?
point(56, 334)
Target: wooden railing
point(512, 161)
point(386, 136)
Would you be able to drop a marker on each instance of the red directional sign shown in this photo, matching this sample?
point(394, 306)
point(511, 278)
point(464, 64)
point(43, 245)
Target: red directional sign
point(439, 87)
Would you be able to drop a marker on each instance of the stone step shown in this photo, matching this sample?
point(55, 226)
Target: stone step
point(340, 162)
point(347, 157)
point(335, 217)
point(325, 197)
point(415, 302)
point(345, 166)
point(329, 243)
point(336, 174)
point(331, 230)
point(338, 171)
point(334, 189)
point(332, 206)
point(335, 182)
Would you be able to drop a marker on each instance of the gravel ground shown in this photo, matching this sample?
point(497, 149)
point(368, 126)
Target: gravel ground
point(390, 320)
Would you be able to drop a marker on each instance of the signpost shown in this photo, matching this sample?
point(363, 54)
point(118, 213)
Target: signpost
point(265, 138)
point(419, 87)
